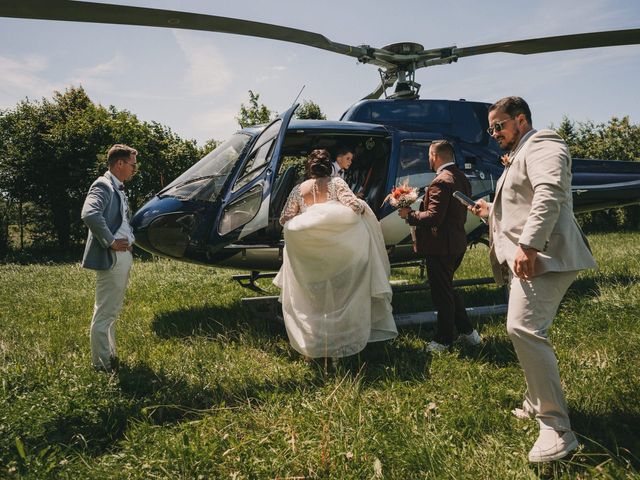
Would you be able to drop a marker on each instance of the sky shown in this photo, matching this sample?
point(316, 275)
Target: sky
point(195, 82)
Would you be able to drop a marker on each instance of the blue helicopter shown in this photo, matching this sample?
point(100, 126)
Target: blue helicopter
point(224, 210)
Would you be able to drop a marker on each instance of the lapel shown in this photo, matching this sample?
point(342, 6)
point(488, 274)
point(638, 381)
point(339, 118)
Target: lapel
point(109, 177)
point(513, 158)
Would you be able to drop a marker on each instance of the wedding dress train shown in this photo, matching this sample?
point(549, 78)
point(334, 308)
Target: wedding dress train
point(334, 281)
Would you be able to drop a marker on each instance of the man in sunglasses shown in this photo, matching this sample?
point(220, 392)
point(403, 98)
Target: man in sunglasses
point(108, 251)
point(537, 248)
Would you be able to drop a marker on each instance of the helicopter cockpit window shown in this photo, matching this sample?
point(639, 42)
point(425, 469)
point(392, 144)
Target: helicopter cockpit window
point(413, 164)
point(432, 112)
point(259, 157)
point(204, 180)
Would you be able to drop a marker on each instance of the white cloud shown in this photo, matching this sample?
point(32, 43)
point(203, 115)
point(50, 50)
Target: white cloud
point(24, 77)
point(98, 76)
point(213, 123)
point(557, 18)
point(116, 64)
point(207, 71)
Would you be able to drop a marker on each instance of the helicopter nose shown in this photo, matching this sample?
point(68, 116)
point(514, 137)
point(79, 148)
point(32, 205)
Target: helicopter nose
point(163, 227)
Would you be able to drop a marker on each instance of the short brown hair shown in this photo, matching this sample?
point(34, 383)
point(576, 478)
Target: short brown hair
point(512, 106)
point(444, 149)
point(119, 152)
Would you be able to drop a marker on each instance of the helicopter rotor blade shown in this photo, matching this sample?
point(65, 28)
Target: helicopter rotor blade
point(405, 57)
point(80, 11)
point(554, 44)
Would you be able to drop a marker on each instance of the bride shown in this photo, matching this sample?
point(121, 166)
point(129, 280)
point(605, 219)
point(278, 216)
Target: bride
point(334, 279)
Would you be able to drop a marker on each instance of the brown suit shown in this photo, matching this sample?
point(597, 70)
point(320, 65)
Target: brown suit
point(441, 238)
point(441, 218)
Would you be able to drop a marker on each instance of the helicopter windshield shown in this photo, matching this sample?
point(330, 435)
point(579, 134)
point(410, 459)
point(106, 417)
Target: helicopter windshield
point(204, 180)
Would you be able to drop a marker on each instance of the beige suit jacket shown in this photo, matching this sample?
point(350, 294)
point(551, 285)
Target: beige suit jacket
point(533, 206)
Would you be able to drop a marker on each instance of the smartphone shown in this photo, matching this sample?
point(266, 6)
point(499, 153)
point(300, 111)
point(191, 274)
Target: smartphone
point(463, 199)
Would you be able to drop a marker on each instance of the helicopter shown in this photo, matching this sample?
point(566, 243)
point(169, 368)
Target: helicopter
point(224, 210)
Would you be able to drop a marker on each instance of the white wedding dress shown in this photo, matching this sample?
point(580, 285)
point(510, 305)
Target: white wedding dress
point(334, 279)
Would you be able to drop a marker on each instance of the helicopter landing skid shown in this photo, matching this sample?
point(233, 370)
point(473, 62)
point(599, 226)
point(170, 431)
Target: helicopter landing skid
point(269, 308)
point(430, 318)
point(399, 286)
point(249, 280)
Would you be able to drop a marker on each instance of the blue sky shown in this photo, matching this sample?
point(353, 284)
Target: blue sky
point(194, 82)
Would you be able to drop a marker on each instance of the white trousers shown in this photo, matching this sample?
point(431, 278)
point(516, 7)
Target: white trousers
point(532, 306)
point(110, 289)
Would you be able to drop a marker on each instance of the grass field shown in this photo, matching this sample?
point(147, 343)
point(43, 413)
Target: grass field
point(207, 391)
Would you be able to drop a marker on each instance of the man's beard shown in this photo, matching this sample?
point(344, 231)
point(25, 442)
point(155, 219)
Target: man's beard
point(510, 146)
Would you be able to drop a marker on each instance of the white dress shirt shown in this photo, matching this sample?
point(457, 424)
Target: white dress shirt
point(125, 230)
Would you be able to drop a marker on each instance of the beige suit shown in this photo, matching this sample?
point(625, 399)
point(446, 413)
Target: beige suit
point(533, 207)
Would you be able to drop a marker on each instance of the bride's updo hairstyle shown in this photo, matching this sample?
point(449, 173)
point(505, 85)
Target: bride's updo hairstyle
point(319, 163)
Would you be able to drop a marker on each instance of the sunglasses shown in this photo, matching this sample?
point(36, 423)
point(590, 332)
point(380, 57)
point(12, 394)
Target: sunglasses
point(497, 127)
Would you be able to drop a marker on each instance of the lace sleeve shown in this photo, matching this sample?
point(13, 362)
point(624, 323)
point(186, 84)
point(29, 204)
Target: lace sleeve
point(292, 207)
point(345, 196)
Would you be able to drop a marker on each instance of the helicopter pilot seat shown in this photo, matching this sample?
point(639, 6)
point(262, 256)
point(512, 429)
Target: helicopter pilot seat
point(372, 189)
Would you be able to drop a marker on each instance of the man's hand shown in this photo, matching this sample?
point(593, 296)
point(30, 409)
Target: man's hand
point(404, 212)
point(524, 262)
point(480, 209)
point(121, 245)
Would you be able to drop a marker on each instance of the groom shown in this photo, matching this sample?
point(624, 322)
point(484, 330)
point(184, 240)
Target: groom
point(441, 238)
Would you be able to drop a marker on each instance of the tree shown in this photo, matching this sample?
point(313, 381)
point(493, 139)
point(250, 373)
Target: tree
point(254, 114)
point(309, 110)
point(618, 139)
point(47, 150)
point(209, 146)
point(52, 150)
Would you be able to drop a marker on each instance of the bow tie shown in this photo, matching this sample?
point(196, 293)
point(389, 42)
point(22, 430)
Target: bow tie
point(340, 172)
point(121, 187)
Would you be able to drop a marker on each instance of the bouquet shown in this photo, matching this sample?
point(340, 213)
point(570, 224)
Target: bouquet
point(403, 197)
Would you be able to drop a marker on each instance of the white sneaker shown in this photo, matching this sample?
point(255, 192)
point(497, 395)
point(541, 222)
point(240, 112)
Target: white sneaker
point(552, 445)
point(472, 338)
point(436, 347)
point(522, 414)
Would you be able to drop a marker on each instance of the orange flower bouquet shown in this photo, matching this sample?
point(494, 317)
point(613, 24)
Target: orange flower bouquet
point(403, 197)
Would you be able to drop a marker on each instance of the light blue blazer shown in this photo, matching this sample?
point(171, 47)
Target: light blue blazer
point(102, 213)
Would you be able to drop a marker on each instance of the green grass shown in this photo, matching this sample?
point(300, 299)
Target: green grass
point(208, 391)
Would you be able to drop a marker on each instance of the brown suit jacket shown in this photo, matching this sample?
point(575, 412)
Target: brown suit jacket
point(441, 218)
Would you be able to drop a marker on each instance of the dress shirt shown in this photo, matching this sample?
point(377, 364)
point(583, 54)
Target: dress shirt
point(125, 230)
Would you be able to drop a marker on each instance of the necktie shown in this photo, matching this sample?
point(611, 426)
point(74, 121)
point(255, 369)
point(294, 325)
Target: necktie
point(341, 173)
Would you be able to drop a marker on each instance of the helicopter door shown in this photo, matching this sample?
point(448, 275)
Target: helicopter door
point(248, 201)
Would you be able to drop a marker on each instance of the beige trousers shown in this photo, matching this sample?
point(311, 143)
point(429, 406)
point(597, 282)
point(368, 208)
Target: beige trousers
point(110, 289)
point(532, 306)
